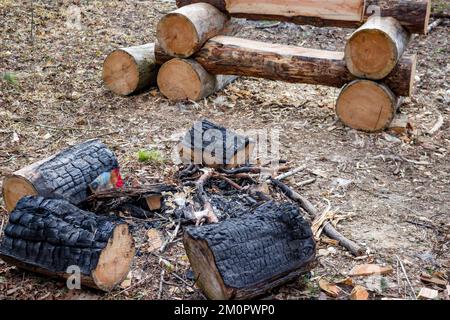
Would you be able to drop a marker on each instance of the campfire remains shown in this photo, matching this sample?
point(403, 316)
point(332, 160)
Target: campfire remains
point(199, 55)
point(241, 234)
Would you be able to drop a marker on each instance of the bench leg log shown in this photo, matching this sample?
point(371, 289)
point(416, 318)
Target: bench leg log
point(373, 50)
point(366, 105)
point(183, 32)
point(66, 174)
point(48, 236)
point(245, 257)
point(186, 79)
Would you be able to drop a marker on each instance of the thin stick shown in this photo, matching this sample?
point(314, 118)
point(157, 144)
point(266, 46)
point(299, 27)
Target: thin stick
point(170, 240)
point(229, 181)
point(306, 182)
point(406, 276)
point(330, 231)
point(161, 282)
point(1, 227)
point(289, 173)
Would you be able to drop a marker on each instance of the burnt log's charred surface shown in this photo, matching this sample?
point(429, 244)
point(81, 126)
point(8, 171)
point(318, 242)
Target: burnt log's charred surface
point(65, 175)
point(49, 235)
point(214, 145)
point(244, 257)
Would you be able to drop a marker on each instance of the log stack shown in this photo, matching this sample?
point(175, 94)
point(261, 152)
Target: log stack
point(200, 54)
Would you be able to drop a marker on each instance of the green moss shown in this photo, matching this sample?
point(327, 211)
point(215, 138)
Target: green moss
point(150, 156)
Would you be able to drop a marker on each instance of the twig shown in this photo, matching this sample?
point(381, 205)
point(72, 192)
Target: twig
point(306, 182)
point(273, 25)
point(132, 286)
point(439, 123)
point(433, 25)
point(289, 173)
point(161, 282)
point(229, 181)
point(406, 276)
point(330, 231)
point(208, 212)
point(1, 227)
point(170, 240)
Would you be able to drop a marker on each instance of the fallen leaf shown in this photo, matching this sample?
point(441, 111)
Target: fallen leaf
point(369, 269)
point(428, 294)
point(329, 288)
point(345, 281)
point(359, 293)
point(154, 240)
point(127, 282)
point(425, 277)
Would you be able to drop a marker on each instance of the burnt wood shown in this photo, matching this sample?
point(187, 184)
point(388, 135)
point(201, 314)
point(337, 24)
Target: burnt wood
point(245, 257)
point(66, 175)
point(49, 235)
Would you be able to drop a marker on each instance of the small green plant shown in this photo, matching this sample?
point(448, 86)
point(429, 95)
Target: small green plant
point(153, 156)
point(10, 78)
point(384, 285)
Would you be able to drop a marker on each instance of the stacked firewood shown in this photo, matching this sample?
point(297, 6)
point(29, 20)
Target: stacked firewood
point(199, 54)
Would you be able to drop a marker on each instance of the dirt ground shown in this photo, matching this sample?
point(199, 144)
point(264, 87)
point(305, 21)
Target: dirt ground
point(393, 191)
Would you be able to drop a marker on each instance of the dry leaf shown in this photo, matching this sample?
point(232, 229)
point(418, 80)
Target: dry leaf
point(369, 269)
point(346, 281)
point(424, 277)
point(127, 282)
point(429, 294)
point(154, 240)
point(359, 293)
point(329, 288)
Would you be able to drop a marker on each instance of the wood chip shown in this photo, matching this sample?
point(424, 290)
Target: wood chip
point(346, 281)
point(428, 294)
point(329, 288)
point(154, 240)
point(359, 293)
point(369, 269)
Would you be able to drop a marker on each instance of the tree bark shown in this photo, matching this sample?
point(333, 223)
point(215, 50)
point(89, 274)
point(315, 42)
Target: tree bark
point(245, 257)
point(182, 32)
point(50, 236)
point(67, 174)
point(129, 70)
point(186, 79)
point(413, 15)
point(374, 49)
point(366, 105)
point(235, 56)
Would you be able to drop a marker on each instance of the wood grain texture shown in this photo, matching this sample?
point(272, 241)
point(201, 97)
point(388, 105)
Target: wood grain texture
point(374, 49)
point(236, 56)
point(129, 70)
point(50, 235)
point(244, 257)
point(182, 32)
point(366, 105)
point(185, 79)
point(413, 15)
point(66, 174)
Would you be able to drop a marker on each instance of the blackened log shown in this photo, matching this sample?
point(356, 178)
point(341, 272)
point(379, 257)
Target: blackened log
point(245, 257)
point(67, 174)
point(214, 146)
point(50, 235)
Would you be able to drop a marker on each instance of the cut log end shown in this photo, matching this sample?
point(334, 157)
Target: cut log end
point(115, 260)
point(177, 35)
point(14, 189)
point(366, 105)
point(370, 54)
point(373, 50)
point(179, 79)
point(210, 281)
point(121, 73)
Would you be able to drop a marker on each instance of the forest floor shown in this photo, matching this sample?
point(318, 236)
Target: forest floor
point(394, 191)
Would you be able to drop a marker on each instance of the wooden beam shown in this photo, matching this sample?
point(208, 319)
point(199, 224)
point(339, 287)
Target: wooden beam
point(413, 15)
point(236, 56)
